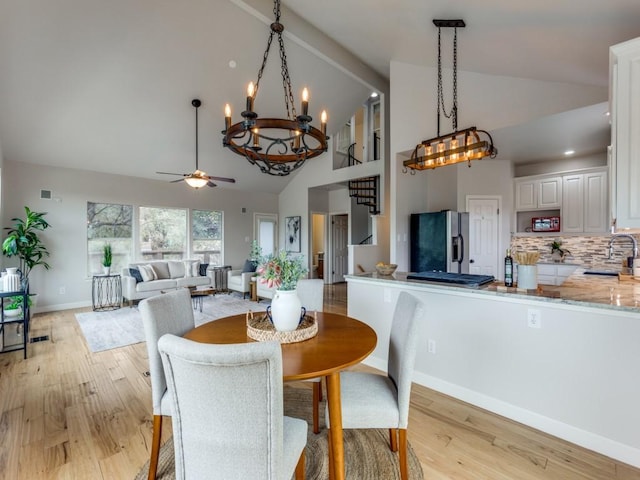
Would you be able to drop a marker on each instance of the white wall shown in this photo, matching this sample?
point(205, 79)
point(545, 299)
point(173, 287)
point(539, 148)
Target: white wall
point(66, 240)
point(486, 101)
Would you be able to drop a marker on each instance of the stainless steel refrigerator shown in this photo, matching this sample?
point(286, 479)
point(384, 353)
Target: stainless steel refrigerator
point(439, 242)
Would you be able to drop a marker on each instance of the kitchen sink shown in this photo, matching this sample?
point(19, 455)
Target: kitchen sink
point(609, 273)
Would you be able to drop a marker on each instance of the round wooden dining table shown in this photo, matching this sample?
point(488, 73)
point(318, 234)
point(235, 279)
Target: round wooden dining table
point(340, 343)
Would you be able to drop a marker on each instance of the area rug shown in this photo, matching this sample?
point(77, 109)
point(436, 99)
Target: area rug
point(118, 328)
point(367, 454)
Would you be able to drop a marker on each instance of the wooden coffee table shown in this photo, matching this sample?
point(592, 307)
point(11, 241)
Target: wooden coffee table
point(198, 294)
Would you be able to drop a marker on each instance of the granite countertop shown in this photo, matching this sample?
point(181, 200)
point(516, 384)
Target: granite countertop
point(578, 289)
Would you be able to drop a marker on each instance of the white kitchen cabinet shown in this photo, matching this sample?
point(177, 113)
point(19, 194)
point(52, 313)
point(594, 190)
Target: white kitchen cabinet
point(584, 202)
point(624, 98)
point(554, 273)
point(539, 193)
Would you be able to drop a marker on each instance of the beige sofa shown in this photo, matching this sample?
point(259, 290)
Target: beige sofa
point(171, 274)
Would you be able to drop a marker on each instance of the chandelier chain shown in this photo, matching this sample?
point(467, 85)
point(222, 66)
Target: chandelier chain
point(453, 113)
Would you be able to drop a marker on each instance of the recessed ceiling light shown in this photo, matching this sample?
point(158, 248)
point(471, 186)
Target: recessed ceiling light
point(232, 64)
point(374, 94)
point(569, 152)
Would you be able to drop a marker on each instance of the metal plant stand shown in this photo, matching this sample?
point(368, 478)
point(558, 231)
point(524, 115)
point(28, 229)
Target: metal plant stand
point(106, 292)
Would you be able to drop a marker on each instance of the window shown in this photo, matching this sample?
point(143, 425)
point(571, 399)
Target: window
point(206, 236)
point(109, 223)
point(162, 233)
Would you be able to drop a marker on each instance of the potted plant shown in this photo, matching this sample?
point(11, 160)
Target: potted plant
point(283, 271)
point(23, 241)
point(106, 258)
point(14, 307)
point(557, 252)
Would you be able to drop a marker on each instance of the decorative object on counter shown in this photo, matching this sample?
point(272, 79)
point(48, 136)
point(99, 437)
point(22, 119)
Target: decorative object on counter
point(106, 258)
point(460, 145)
point(386, 268)
point(557, 252)
point(508, 270)
point(527, 269)
point(283, 271)
point(24, 242)
point(288, 142)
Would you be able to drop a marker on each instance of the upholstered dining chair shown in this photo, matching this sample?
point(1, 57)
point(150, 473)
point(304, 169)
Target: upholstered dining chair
point(167, 313)
point(228, 420)
point(311, 294)
point(382, 401)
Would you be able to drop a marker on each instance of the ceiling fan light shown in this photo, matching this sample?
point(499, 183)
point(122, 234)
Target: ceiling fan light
point(196, 182)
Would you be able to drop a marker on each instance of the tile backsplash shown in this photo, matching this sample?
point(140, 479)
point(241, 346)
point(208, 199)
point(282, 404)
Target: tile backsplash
point(587, 251)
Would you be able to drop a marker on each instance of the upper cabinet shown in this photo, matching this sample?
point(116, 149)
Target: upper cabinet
point(624, 60)
point(538, 193)
point(584, 202)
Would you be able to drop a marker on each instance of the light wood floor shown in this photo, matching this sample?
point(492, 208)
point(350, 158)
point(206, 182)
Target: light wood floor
point(71, 414)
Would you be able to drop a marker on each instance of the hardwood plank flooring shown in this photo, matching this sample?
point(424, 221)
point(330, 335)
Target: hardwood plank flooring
point(68, 413)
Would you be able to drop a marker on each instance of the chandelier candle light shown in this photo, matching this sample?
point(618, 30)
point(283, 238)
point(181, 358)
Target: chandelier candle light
point(277, 145)
point(460, 145)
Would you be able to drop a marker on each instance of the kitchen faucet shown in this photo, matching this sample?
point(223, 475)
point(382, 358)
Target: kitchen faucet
point(625, 235)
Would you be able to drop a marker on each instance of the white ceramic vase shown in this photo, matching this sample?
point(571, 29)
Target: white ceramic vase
point(286, 309)
point(528, 277)
point(11, 281)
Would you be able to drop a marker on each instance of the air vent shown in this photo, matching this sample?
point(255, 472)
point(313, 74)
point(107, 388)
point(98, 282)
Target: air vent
point(45, 194)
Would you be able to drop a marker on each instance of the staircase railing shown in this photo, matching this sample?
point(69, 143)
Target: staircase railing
point(365, 191)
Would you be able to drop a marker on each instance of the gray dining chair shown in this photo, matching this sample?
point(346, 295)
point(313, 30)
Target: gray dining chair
point(371, 400)
point(228, 420)
point(311, 294)
point(167, 313)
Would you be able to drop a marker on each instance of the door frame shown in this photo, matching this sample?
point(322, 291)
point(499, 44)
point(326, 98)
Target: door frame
point(331, 249)
point(271, 217)
point(468, 200)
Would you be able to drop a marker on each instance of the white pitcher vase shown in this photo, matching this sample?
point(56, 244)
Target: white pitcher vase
point(11, 281)
point(286, 310)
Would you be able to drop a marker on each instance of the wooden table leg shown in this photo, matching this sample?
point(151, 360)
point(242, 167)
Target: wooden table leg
point(335, 421)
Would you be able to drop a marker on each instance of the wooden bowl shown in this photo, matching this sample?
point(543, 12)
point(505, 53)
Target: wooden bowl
point(386, 269)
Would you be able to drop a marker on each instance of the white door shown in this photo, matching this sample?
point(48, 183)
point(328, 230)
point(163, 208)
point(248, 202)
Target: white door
point(484, 234)
point(339, 241)
point(265, 231)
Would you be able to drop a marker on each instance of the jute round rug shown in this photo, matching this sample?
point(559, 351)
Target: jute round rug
point(367, 453)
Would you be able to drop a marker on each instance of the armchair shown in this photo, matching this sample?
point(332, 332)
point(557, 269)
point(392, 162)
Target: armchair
point(239, 281)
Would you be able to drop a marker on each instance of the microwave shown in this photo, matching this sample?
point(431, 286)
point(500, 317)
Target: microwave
point(545, 224)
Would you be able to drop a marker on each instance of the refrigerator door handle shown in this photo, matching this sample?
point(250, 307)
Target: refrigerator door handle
point(461, 242)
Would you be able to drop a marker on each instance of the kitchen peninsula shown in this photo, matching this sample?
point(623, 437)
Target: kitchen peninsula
point(562, 360)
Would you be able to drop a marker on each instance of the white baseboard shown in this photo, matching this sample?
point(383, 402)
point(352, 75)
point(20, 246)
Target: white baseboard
point(597, 443)
point(60, 306)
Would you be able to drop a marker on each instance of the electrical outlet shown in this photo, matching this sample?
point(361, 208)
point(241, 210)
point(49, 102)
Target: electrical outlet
point(533, 318)
point(431, 346)
point(63, 290)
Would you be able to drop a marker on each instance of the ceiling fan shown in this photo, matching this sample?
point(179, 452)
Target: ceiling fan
point(198, 178)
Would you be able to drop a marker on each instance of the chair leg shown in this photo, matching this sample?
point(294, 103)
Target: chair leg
point(393, 439)
point(155, 446)
point(404, 468)
point(317, 393)
point(300, 467)
point(320, 388)
point(332, 474)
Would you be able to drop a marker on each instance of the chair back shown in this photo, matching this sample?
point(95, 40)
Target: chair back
point(311, 294)
point(228, 408)
point(403, 344)
point(170, 312)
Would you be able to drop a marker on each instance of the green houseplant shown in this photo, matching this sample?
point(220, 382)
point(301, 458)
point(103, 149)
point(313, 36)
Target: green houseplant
point(106, 258)
point(23, 241)
point(557, 252)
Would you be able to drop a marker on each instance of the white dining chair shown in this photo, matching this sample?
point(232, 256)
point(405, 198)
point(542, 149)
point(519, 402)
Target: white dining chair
point(371, 400)
point(228, 420)
point(167, 313)
point(311, 295)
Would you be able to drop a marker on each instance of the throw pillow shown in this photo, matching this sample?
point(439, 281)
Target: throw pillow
point(147, 273)
point(203, 269)
point(135, 273)
point(161, 270)
point(195, 268)
point(188, 271)
point(249, 266)
point(176, 268)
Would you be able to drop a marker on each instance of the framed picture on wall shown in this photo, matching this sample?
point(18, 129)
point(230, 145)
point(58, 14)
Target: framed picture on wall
point(292, 232)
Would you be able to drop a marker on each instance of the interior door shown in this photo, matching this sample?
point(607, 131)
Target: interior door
point(265, 231)
point(339, 240)
point(484, 228)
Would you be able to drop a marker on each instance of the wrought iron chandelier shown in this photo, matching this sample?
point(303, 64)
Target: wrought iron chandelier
point(460, 145)
point(277, 145)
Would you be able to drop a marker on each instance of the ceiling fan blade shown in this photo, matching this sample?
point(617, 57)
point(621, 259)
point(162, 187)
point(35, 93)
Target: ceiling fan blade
point(222, 179)
point(211, 184)
point(169, 173)
point(176, 181)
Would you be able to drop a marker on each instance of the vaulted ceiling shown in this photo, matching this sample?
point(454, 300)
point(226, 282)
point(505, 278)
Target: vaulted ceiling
point(107, 86)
